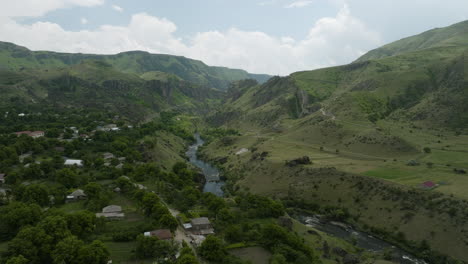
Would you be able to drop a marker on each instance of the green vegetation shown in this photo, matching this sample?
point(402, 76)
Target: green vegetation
point(15, 58)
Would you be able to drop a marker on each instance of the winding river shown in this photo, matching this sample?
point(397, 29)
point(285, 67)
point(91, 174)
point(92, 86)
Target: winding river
point(366, 241)
point(213, 183)
point(361, 239)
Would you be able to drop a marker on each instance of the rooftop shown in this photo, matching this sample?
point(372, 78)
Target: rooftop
point(78, 192)
point(112, 209)
point(200, 221)
point(163, 234)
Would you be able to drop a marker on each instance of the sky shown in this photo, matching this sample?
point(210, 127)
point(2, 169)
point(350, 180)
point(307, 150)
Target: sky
point(276, 37)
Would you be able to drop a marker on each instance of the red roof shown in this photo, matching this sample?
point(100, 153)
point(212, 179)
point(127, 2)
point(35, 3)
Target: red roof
point(429, 184)
point(23, 133)
point(163, 234)
point(30, 133)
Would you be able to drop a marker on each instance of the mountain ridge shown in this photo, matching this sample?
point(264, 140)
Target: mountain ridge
point(450, 36)
point(16, 57)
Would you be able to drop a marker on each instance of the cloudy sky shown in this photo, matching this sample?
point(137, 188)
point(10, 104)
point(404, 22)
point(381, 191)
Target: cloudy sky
point(262, 36)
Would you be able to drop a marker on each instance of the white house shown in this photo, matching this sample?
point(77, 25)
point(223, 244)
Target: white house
point(73, 162)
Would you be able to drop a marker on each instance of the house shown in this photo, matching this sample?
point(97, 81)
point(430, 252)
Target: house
point(37, 134)
point(76, 196)
point(140, 186)
point(110, 127)
point(161, 234)
point(111, 212)
point(428, 185)
point(201, 226)
point(108, 155)
point(73, 162)
point(33, 134)
point(2, 177)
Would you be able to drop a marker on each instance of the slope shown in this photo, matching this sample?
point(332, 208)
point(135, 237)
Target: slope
point(452, 36)
point(94, 84)
point(13, 57)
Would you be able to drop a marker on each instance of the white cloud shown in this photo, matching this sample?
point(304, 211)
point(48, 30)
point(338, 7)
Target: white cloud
point(84, 21)
point(330, 41)
point(299, 3)
point(37, 8)
point(117, 8)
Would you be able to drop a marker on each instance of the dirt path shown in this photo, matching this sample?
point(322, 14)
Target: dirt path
point(180, 234)
point(324, 113)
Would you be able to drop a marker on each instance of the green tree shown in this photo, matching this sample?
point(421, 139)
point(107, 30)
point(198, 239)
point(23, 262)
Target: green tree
point(95, 253)
point(81, 223)
point(33, 194)
point(16, 215)
point(212, 249)
point(33, 243)
point(67, 251)
point(168, 221)
point(17, 260)
point(67, 177)
point(55, 226)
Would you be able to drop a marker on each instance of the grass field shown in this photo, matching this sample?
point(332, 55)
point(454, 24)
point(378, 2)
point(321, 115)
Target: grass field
point(255, 255)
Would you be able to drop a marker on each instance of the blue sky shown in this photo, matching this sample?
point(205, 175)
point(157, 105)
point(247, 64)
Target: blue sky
point(261, 36)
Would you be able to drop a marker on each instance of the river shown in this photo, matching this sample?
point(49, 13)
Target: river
point(213, 183)
point(366, 241)
point(361, 239)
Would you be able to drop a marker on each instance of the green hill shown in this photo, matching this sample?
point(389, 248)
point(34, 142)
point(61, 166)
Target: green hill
point(13, 57)
point(452, 36)
point(398, 115)
point(94, 84)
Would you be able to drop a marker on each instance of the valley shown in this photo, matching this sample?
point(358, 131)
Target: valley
point(202, 164)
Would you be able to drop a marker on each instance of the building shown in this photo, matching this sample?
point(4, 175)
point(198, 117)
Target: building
point(2, 177)
point(161, 234)
point(111, 212)
point(76, 196)
point(108, 155)
point(201, 226)
point(73, 162)
point(37, 134)
point(33, 134)
point(428, 185)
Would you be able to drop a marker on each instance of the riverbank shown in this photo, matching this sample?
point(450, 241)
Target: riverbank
point(213, 183)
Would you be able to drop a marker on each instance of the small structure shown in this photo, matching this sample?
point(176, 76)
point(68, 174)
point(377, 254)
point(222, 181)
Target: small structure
point(59, 149)
point(242, 151)
point(33, 134)
point(187, 226)
point(201, 226)
point(111, 212)
point(161, 234)
point(140, 186)
point(2, 178)
point(412, 163)
point(73, 162)
point(428, 185)
point(108, 155)
point(76, 196)
point(37, 134)
point(107, 128)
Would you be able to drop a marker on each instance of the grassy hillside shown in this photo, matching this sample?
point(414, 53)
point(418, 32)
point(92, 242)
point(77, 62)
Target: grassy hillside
point(94, 84)
point(395, 121)
point(13, 57)
point(452, 36)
